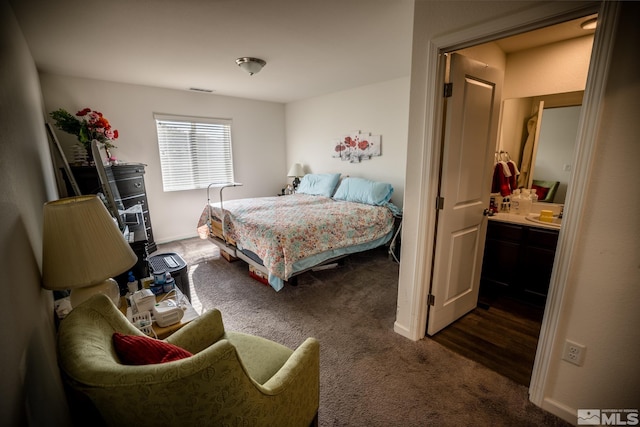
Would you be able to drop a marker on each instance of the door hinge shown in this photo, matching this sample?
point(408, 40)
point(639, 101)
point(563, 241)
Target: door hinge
point(448, 90)
point(431, 300)
point(439, 203)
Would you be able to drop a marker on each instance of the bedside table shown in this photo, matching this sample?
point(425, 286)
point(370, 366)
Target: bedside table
point(286, 191)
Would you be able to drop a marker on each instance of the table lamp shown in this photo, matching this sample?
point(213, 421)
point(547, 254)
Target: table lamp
point(83, 248)
point(296, 172)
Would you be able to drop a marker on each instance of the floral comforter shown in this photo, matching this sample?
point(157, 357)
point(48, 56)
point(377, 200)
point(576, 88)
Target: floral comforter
point(283, 230)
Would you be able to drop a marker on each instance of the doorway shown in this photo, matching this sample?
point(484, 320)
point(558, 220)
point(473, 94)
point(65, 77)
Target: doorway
point(504, 337)
point(422, 173)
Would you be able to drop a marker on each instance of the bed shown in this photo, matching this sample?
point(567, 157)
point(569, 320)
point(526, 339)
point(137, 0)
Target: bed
point(283, 236)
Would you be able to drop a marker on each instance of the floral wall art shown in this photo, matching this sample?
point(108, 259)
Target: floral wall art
point(356, 146)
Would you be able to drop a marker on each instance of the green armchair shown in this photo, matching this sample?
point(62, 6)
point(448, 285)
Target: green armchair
point(231, 379)
point(546, 190)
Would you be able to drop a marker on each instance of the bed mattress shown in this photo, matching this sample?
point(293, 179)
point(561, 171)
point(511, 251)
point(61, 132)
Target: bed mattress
point(291, 233)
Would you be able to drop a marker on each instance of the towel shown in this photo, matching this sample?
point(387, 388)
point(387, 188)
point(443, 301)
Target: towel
point(513, 179)
point(500, 183)
point(505, 167)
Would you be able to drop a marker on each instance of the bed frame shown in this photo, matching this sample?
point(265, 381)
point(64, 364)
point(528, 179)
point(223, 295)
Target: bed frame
point(218, 237)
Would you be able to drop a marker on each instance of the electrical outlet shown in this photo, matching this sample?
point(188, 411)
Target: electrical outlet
point(574, 352)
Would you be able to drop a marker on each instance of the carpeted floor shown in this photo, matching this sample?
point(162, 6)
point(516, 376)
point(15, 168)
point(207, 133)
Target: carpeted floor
point(369, 375)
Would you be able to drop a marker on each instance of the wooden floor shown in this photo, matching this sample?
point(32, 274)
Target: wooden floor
point(502, 337)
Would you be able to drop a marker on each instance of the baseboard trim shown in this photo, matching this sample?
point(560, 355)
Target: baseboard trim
point(175, 238)
point(403, 330)
point(560, 410)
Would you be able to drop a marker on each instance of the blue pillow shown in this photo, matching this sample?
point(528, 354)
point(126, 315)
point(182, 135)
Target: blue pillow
point(320, 184)
point(364, 191)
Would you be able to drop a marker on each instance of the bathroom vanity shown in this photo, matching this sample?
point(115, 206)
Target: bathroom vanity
point(518, 258)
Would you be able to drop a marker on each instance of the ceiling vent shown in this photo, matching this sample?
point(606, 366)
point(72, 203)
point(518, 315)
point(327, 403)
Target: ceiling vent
point(197, 89)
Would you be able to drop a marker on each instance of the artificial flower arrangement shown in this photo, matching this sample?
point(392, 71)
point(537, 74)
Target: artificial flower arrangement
point(88, 125)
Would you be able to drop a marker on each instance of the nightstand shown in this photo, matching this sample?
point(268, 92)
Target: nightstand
point(286, 190)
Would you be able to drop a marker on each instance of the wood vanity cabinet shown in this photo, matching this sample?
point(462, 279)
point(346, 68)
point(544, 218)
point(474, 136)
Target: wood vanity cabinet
point(518, 261)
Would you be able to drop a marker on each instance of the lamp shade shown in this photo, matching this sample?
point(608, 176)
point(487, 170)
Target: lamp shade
point(296, 170)
point(82, 245)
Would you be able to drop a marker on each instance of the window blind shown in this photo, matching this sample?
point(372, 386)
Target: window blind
point(194, 151)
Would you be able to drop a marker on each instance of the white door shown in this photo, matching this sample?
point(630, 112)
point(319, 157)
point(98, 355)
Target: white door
point(467, 168)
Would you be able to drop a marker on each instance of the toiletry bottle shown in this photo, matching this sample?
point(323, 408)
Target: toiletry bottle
point(505, 206)
point(515, 202)
point(525, 202)
point(132, 284)
point(534, 195)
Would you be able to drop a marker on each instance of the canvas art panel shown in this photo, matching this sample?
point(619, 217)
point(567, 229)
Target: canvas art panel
point(356, 146)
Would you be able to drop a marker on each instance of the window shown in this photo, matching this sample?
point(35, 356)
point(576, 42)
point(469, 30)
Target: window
point(194, 151)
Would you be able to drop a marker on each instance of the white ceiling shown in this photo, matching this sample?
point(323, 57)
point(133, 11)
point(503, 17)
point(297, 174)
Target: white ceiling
point(312, 47)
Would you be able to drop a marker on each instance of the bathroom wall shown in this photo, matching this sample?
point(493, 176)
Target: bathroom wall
point(554, 68)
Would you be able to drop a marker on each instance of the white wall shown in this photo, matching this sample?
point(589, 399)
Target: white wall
point(489, 53)
point(31, 389)
point(555, 68)
point(258, 139)
point(600, 305)
point(380, 109)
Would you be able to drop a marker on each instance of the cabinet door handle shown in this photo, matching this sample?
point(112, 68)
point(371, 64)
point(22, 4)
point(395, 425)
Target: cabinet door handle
point(137, 185)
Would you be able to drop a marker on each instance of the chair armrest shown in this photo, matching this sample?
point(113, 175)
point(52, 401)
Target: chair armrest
point(305, 361)
point(200, 333)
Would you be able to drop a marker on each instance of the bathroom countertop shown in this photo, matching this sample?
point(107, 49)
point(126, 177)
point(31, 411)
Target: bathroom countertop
point(521, 220)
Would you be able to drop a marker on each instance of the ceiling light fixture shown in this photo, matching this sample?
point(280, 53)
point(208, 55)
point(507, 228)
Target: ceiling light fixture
point(589, 24)
point(250, 65)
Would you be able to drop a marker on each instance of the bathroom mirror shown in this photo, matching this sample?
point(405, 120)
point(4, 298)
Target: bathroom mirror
point(539, 133)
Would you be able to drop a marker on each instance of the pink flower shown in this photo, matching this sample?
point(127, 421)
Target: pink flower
point(87, 126)
point(349, 141)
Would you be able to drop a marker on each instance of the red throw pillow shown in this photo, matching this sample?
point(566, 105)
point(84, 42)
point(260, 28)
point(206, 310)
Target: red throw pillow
point(541, 192)
point(142, 350)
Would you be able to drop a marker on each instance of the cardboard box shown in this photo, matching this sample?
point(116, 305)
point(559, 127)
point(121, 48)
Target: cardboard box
point(258, 275)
